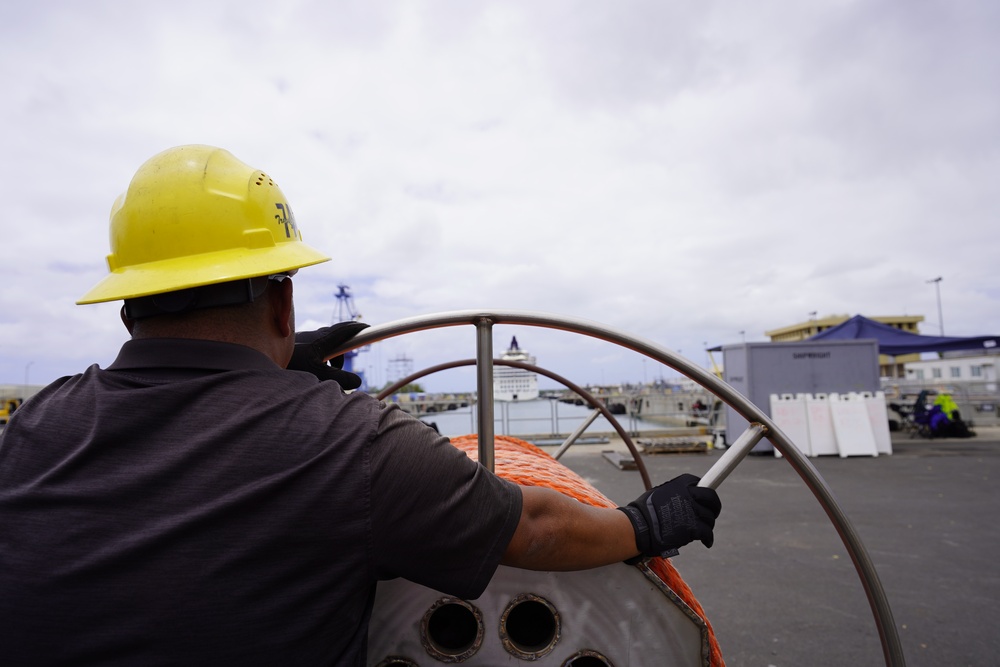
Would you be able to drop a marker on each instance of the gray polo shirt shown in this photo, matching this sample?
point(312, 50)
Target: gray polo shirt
point(196, 504)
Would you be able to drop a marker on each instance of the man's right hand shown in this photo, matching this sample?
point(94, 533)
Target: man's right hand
point(312, 348)
point(672, 515)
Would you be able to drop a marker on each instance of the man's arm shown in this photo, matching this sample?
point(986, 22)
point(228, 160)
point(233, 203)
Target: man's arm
point(559, 533)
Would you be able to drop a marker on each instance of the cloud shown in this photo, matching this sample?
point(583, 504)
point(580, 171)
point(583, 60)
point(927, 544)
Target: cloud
point(683, 172)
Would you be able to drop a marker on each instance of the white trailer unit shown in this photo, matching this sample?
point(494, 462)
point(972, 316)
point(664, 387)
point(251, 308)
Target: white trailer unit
point(758, 370)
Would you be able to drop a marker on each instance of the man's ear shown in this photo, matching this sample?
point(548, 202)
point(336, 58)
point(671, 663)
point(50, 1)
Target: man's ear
point(129, 324)
point(281, 304)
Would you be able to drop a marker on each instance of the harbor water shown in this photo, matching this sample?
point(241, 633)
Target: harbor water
point(539, 419)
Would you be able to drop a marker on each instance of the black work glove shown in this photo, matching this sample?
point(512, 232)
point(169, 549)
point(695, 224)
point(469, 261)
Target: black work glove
point(673, 514)
point(312, 347)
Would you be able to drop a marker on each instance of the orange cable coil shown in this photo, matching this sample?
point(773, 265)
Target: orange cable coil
point(525, 464)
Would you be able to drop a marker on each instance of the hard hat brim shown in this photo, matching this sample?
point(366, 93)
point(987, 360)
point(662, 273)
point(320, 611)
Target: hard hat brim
point(183, 272)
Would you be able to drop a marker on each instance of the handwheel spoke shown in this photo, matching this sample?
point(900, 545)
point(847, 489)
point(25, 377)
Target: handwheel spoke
point(736, 453)
point(484, 386)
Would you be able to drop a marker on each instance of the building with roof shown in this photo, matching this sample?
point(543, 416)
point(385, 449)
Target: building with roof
point(888, 366)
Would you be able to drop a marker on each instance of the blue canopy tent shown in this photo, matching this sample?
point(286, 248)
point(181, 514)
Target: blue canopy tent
point(894, 342)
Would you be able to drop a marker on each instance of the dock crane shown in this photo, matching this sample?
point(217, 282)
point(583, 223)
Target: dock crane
point(346, 312)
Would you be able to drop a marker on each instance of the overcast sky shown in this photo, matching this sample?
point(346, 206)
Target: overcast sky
point(684, 171)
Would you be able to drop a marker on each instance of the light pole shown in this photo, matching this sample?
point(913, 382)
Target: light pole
point(26, 367)
point(937, 288)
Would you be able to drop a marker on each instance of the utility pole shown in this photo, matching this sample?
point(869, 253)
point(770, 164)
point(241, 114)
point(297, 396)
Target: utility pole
point(27, 367)
point(937, 288)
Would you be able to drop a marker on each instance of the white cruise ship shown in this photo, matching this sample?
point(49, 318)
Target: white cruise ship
point(515, 384)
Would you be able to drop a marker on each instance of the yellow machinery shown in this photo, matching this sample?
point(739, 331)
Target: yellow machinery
point(7, 408)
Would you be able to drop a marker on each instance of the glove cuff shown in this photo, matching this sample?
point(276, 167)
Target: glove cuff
point(641, 528)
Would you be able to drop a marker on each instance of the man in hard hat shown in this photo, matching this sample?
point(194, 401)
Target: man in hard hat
point(215, 497)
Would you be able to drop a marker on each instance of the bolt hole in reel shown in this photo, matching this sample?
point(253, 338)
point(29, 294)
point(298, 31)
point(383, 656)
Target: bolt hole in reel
point(452, 631)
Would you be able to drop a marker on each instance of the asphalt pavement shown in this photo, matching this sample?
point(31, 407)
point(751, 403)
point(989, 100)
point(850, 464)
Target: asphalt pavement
point(778, 585)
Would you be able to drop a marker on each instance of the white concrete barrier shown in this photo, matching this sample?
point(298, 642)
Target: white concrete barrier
point(852, 425)
point(822, 438)
point(789, 412)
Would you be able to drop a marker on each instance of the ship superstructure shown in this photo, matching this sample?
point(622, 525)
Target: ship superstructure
point(515, 384)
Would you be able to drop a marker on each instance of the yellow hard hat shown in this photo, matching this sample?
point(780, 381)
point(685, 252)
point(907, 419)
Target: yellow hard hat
point(193, 216)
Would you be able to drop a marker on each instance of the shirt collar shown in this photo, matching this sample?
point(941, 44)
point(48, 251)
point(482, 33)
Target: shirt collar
point(189, 353)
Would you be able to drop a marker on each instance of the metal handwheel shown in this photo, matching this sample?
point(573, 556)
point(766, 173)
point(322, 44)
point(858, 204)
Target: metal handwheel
point(760, 425)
